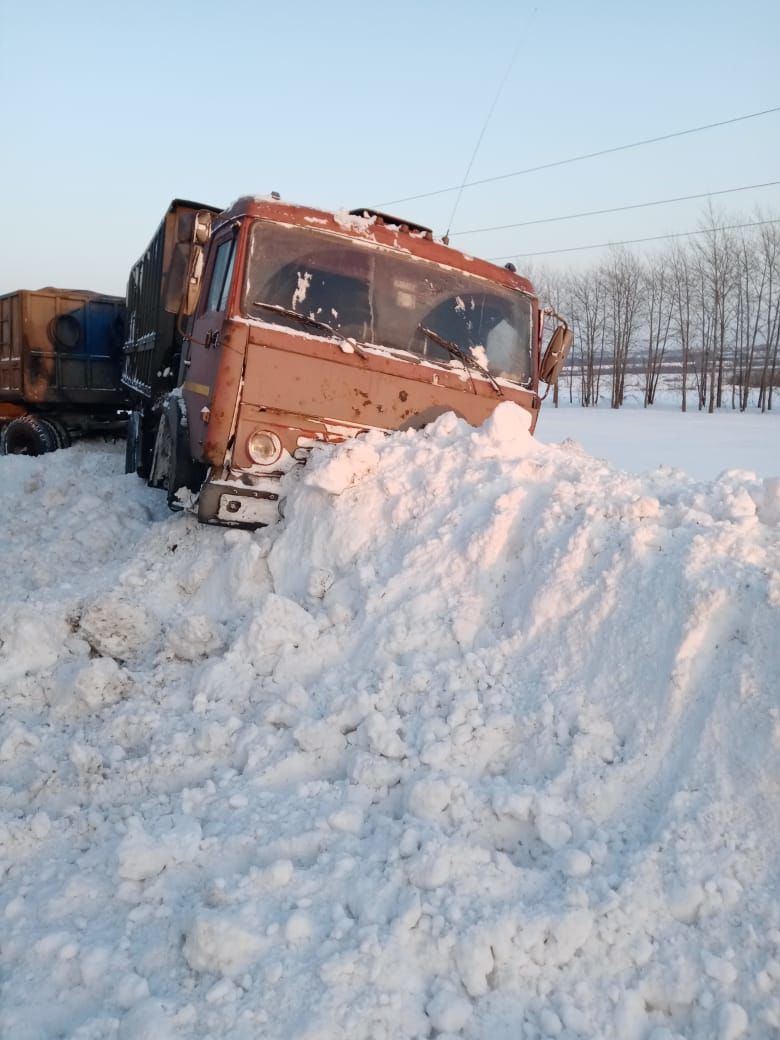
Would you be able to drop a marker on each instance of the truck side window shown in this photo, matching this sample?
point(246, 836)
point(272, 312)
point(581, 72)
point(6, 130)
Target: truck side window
point(220, 276)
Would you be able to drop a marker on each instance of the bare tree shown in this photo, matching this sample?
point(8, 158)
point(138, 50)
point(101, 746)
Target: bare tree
point(755, 266)
point(768, 247)
point(715, 254)
point(713, 303)
point(587, 295)
point(621, 274)
point(656, 286)
point(683, 304)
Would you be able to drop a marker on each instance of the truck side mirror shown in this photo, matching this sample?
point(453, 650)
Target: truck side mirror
point(194, 275)
point(201, 233)
point(555, 355)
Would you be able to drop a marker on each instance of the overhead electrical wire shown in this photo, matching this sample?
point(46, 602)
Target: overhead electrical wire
point(634, 241)
point(481, 135)
point(583, 157)
point(617, 209)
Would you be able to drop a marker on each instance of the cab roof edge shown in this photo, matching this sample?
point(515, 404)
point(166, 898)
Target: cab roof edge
point(387, 218)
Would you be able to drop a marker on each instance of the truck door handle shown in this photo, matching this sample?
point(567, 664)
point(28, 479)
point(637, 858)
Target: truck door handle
point(211, 339)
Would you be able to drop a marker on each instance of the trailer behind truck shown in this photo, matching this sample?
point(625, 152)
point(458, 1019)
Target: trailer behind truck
point(60, 367)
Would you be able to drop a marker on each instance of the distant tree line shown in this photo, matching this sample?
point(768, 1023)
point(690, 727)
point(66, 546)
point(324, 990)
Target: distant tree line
point(701, 319)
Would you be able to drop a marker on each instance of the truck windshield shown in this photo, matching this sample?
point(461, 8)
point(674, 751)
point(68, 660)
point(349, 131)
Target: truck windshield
point(386, 299)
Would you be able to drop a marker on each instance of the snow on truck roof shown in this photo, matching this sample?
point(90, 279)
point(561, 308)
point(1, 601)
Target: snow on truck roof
point(381, 228)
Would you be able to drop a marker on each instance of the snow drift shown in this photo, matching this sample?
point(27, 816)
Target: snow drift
point(480, 742)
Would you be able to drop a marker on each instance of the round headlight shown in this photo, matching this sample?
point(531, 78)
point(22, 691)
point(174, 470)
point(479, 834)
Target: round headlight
point(264, 447)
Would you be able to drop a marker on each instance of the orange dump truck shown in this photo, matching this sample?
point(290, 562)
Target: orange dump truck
point(256, 332)
point(60, 365)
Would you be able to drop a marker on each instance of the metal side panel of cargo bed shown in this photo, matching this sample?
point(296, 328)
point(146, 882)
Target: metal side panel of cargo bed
point(61, 347)
point(11, 346)
point(155, 290)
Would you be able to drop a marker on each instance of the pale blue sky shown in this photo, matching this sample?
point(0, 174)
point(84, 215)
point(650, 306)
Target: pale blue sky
point(109, 111)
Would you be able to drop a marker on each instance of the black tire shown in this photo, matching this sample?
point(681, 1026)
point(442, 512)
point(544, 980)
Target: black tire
point(172, 466)
point(147, 421)
point(133, 444)
point(61, 432)
point(28, 435)
point(183, 471)
point(161, 454)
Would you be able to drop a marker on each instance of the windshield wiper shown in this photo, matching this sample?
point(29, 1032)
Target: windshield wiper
point(304, 319)
point(461, 355)
point(349, 342)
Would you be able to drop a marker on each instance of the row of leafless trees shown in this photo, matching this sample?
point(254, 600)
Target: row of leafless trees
point(701, 319)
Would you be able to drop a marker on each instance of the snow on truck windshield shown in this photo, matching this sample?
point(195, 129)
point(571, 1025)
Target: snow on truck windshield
point(386, 299)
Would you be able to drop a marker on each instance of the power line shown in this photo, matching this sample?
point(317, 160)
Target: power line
point(633, 241)
point(618, 209)
point(501, 86)
point(581, 158)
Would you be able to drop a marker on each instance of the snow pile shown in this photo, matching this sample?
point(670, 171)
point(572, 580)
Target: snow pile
point(480, 742)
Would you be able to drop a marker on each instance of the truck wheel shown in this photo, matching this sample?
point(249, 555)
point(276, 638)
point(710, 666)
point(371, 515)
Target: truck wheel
point(161, 454)
point(28, 435)
point(172, 466)
point(184, 473)
point(146, 442)
point(142, 428)
point(133, 443)
point(60, 431)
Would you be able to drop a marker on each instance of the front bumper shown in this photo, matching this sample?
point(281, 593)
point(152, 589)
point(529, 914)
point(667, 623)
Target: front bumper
point(238, 506)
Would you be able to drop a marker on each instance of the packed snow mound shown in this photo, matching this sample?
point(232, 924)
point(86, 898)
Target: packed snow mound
point(480, 742)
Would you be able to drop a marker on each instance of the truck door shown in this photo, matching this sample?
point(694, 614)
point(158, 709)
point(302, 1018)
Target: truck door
point(201, 350)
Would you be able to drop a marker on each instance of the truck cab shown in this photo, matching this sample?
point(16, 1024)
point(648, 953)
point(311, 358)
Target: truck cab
point(298, 326)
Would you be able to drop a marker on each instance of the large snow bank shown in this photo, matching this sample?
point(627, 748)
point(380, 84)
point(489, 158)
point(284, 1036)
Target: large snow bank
point(480, 742)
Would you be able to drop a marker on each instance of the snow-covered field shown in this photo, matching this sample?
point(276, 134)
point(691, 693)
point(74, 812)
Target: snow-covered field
point(482, 742)
point(639, 439)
